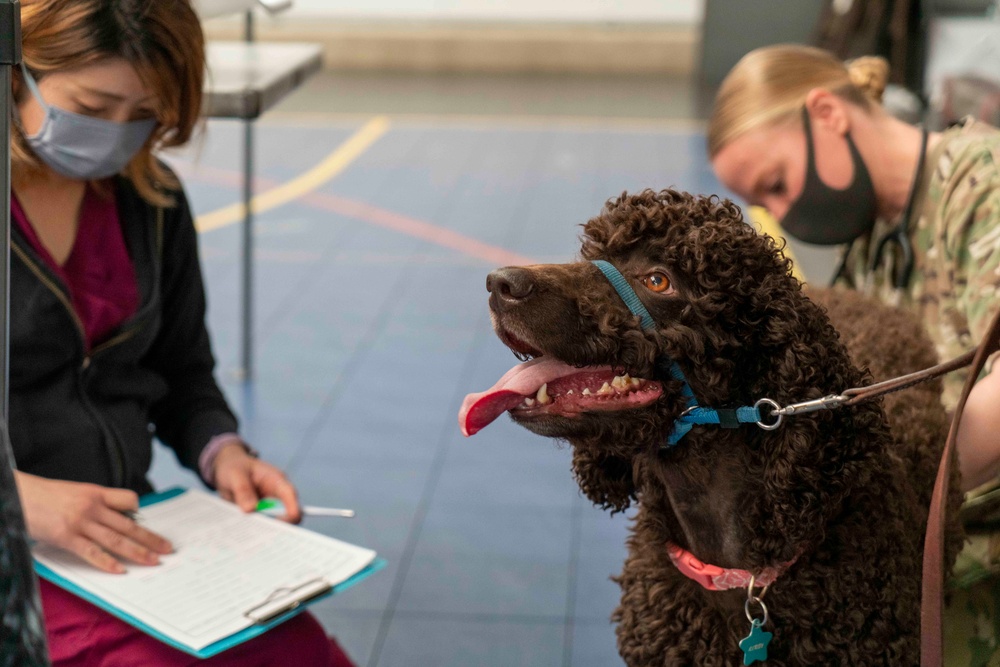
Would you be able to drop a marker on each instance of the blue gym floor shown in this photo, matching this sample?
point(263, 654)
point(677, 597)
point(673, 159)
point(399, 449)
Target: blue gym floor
point(371, 326)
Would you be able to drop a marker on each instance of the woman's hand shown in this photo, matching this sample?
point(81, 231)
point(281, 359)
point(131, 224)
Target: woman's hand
point(244, 480)
point(89, 521)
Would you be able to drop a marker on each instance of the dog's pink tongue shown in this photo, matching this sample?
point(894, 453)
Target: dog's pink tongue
point(479, 410)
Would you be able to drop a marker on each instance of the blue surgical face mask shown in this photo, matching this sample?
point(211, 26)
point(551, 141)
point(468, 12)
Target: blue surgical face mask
point(83, 147)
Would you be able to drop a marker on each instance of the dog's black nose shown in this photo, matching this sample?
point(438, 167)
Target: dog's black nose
point(510, 284)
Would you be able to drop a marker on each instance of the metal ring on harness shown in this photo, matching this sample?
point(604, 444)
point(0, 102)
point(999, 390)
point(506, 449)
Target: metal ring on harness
point(778, 416)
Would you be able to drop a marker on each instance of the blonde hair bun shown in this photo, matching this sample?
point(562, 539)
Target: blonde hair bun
point(869, 74)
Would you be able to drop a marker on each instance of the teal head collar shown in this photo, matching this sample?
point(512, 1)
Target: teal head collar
point(693, 413)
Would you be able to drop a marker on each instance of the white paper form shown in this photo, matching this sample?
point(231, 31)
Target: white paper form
point(225, 564)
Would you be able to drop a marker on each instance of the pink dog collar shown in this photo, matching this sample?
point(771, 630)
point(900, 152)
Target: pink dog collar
point(715, 578)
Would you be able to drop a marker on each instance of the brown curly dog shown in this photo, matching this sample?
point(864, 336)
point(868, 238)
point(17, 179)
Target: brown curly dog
point(829, 508)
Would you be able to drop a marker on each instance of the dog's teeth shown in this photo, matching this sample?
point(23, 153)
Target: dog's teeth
point(529, 402)
point(569, 392)
point(543, 395)
point(606, 389)
point(620, 382)
point(636, 382)
point(587, 392)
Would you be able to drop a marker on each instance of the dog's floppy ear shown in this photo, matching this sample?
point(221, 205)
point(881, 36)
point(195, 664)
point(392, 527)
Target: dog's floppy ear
point(607, 480)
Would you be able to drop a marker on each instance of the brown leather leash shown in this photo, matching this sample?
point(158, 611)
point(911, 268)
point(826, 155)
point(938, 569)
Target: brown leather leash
point(932, 586)
point(857, 395)
point(861, 394)
point(932, 599)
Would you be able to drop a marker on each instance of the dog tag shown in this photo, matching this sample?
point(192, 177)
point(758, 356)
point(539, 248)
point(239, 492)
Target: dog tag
point(754, 646)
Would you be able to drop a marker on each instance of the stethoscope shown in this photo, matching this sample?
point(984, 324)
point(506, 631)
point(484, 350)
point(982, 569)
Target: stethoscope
point(899, 237)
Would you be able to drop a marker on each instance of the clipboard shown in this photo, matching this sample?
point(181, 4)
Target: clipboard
point(280, 606)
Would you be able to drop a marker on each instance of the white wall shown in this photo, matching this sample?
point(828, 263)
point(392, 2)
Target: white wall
point(962, 46)
point(594, 11)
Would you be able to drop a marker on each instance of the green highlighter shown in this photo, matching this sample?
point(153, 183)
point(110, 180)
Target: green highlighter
point(274, 507)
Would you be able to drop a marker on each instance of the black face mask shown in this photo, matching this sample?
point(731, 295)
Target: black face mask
point(825, 215)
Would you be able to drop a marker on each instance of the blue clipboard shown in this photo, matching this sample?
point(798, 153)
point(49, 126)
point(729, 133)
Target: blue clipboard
point(223, 644)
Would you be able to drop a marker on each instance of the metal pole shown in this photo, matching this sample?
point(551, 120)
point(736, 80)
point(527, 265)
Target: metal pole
point(7, 64)
point(22, 632)
point(247, 343)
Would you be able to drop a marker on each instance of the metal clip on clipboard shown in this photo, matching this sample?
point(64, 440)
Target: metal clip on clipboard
point(287, 599)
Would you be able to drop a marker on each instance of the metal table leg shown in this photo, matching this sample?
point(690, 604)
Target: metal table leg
point(246, 371)
point(248, 167)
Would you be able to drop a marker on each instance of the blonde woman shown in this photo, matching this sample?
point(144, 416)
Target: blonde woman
point(107, 320)
point(918, 214)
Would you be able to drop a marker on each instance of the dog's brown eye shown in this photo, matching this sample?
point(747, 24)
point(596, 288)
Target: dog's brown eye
point(656, 282)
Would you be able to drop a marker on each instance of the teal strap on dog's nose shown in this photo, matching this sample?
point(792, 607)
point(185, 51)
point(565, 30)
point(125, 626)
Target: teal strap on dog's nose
point(694, 414)
point(625, 291)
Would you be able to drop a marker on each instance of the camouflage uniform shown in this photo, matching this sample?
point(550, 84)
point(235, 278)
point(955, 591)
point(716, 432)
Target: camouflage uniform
point(955, 232)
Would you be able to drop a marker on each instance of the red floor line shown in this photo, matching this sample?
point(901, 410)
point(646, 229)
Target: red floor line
point(373, 215)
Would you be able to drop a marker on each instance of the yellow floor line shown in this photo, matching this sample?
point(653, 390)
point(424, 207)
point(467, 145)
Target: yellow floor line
point(330, 167)
point(503, 121)
point(768, 225)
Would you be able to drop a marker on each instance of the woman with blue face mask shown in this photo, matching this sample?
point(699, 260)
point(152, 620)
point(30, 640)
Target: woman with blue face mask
point(107, 324)
point(918, 217)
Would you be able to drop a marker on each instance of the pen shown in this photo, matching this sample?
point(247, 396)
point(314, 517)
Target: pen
point(313, 510)
point(273, 506)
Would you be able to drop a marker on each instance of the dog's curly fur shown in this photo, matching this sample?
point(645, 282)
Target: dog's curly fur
point(843, 493)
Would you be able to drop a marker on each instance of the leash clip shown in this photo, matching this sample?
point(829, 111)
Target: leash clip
point(830, 402)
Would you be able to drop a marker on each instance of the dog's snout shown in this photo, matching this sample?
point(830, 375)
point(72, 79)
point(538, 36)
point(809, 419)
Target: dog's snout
point(511, 284)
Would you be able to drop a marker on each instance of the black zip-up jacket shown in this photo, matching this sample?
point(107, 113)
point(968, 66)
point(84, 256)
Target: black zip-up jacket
point(90, 416)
